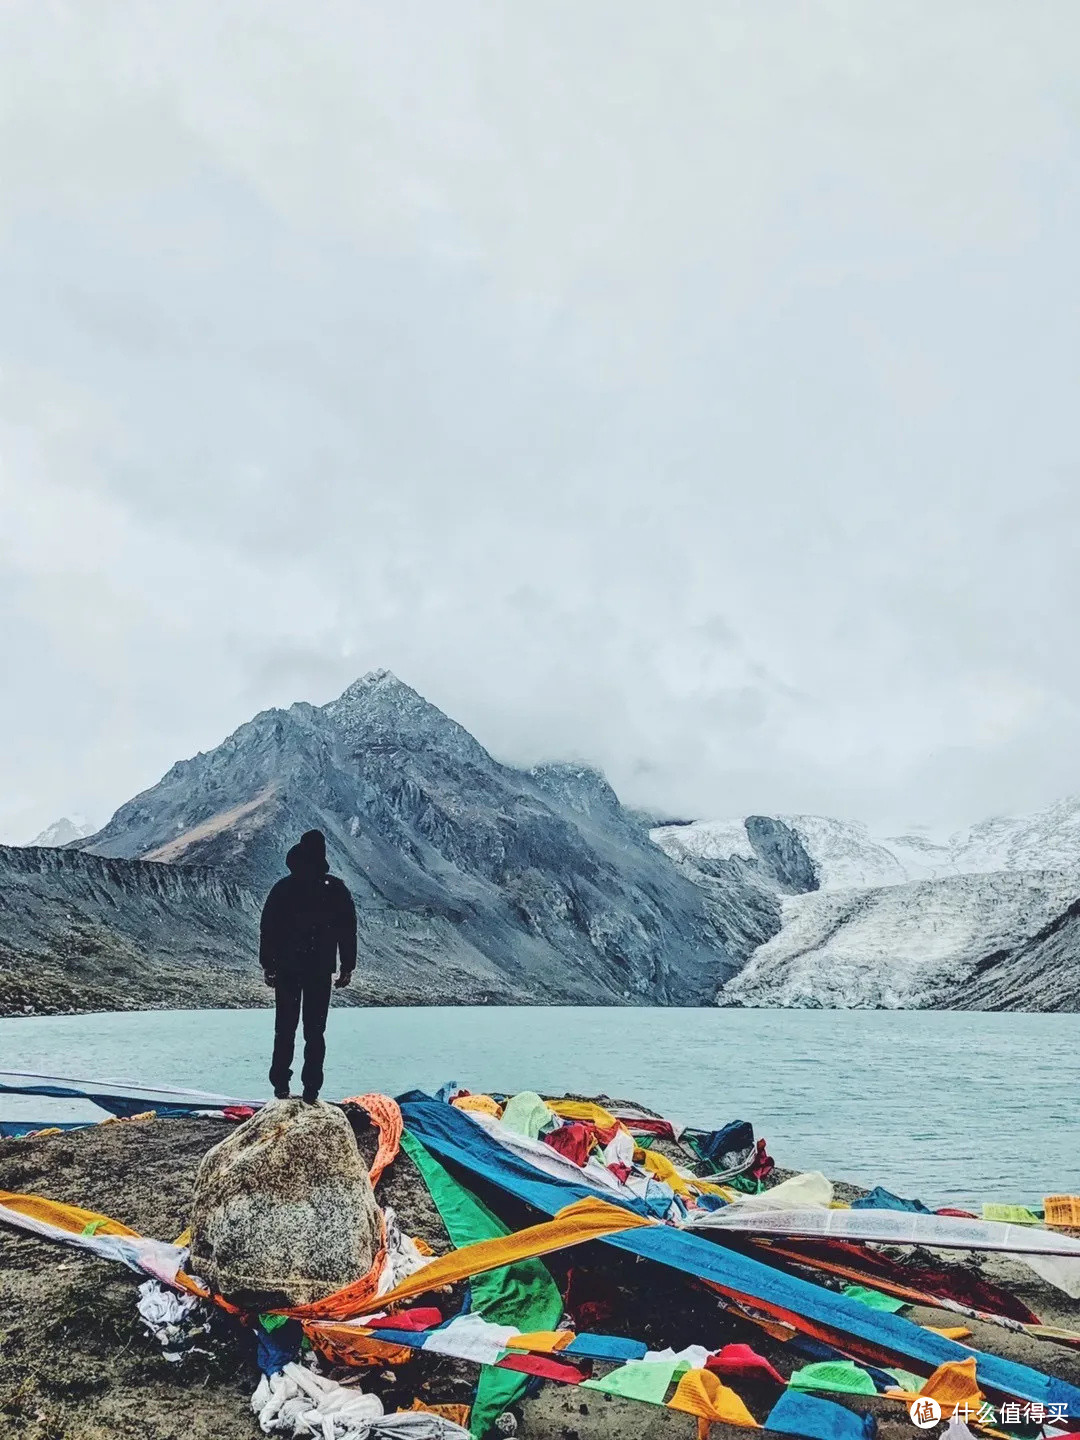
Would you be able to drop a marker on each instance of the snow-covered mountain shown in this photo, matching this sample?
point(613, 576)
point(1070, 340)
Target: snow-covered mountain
point(846, 853)
point(987, 918)
point(63, 832)
point(477, 881)
point(841, 852)
point(1049, 837)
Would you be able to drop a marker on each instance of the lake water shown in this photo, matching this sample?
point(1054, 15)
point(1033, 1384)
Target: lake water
point(953, 1108)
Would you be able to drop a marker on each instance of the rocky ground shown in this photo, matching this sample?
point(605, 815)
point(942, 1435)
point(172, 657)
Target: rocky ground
point(49, 983)
point(76, 1364)
point(94, 971)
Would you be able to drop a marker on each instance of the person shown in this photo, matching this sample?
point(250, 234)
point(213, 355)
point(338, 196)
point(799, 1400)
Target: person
point(308, 924)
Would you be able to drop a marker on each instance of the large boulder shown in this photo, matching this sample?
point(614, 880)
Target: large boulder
point(284, 1212)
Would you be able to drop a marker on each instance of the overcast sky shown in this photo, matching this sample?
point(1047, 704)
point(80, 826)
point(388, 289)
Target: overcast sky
point(691, 388)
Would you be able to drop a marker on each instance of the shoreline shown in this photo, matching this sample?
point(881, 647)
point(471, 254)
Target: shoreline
point(357, 1000)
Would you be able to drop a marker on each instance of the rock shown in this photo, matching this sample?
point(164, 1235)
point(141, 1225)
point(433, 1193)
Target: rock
point(783, 854)
point(283, 1211)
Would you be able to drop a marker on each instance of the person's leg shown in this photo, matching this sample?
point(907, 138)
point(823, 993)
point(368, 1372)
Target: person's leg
point(316, 1006)
point(287, 1012)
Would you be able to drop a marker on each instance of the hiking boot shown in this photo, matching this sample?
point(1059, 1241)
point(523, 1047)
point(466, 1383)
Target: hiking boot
point(310, 1097)
point(280, 1094)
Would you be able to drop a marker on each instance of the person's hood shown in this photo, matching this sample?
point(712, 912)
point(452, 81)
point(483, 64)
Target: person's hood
point(308, 856)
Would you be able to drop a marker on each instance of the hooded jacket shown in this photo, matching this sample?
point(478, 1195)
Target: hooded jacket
point(309, 919)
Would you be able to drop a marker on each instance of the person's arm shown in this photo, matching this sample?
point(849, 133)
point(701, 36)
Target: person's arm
point(268, 938)
point(346, 937)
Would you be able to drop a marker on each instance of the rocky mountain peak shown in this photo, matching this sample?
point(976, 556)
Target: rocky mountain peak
point(476, 879)
point(380, 680)
point(582, 787)
point(380, 711)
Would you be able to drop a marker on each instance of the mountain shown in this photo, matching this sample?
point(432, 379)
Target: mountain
point(63, 832)
point(480, 883)
point(985, 919)
point(841, 853)
point(1034, 972)
point(474, 880)
point(846, 853)
point(1048, 838)
point(84, 933)
point(744, 869)
point(769, 848)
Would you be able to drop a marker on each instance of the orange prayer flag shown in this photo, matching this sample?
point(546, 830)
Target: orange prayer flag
point(701, 1393)
point(954, 1383)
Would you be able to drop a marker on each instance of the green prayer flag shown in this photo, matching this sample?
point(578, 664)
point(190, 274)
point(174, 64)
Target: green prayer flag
point(646, 1380)
point(1010, 1214)
point(527, 1114)
point(521, 1294)
point(842, 1376)
point(744, 1183)
point(874, 1298)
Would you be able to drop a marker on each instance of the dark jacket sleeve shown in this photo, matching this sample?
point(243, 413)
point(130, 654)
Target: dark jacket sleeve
point(270, 932)
point(346, 931)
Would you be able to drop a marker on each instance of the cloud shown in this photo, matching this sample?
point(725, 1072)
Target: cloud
point(686, 390)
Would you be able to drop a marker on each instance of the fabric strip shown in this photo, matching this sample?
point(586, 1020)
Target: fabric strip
point(454, 1136)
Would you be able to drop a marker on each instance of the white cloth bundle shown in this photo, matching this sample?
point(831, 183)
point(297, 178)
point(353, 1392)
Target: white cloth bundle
point(300, 1403)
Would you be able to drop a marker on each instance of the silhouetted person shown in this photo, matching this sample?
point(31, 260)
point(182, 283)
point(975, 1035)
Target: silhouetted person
point(308, 921)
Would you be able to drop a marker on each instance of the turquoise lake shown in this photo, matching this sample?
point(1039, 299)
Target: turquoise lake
point(954, 1108)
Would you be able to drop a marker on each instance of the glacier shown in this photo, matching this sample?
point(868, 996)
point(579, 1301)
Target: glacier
point(909, 946)
point(985, 918)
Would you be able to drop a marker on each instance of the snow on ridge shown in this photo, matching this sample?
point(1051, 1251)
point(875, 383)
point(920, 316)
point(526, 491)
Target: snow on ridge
point(704, 840)
point(847, 854)
point(1049, 837)
point(844, 852)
